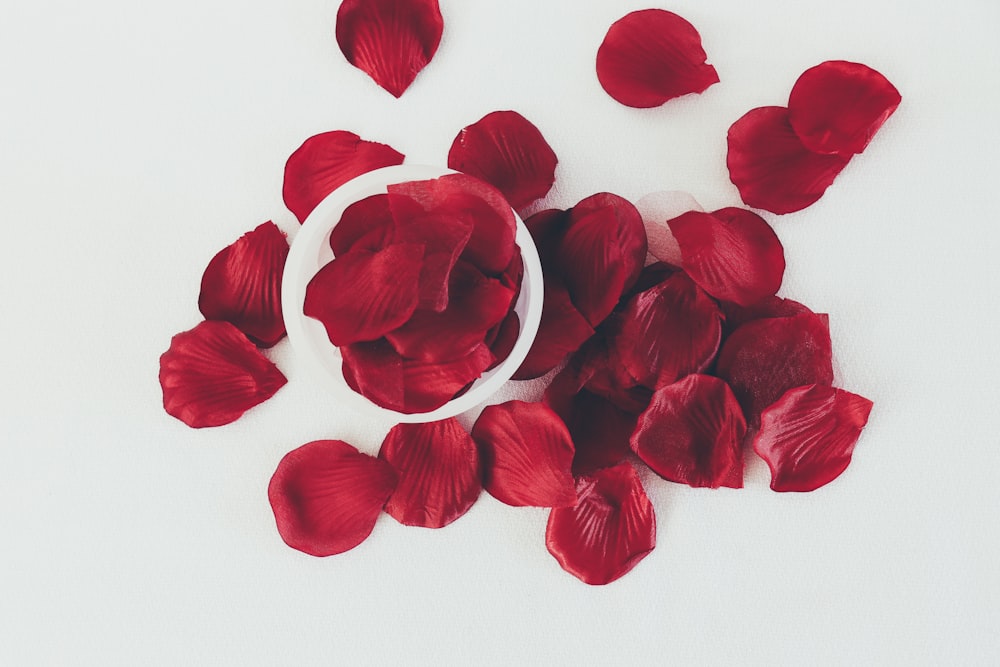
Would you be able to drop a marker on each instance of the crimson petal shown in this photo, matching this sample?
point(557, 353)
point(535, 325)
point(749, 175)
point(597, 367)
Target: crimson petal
point(527, 454)
point(506, 150)
point(651, 56)
point(325, 162)
point(502, 338)
point(444, 238)
point(838, 106)
point(365, 224)
point(326, 496)
point(212, 374)
point(770, 166)
point(610, 529)
point(772, 306)
point(389, 40)
point(547, 228)
point(438, 468)
point(375, 370)
point(242, 285)
point(561, 331)
point(807, 437)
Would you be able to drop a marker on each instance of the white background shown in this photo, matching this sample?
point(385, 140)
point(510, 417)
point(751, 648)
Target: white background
point(138, 139)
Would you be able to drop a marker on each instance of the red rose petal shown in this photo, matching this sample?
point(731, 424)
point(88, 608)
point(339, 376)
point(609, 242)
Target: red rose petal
point(325, 162)
point(561, 331)
point(375, 370)
point(389, 40)
point(651, 56)
point(807, 437)
point(502, 338)
point(326, 496)
point(608, 531)
point(600, 370)
point(692, 433)
point(366, 224)
point(732, 253)
point(363, 295)
point(547, 229)
point(770, 166)
point(763, 359)
point(212, 374)
point(527, 454)
point(504, 149)
point(438, 468)
point(242, 285)
point(443, 238)
point(773, 306)
point(838, 106)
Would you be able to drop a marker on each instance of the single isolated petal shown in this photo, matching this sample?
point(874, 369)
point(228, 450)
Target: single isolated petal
point(527, 454)
point(770, 166)
point(506, 150)
point(242, 285)
point(692, 433)
point(326, 496)
point(366, 224)
point(658, 207)
point(561, 331)
point(838, 106)
point(438, 468)
point(807, 437)
point(651, 56)
point(732, 253)
point(389, 40)
point(610, 529)
point(212, 374)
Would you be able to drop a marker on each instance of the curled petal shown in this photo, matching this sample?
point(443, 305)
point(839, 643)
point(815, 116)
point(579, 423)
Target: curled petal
point(561, 331)
point(389, 40)
point(610, 529)
point(651, 56)
point(527, 454)
point(807, 437)
point(366, 224)
point(656, 209)
point(506, 150)
point(326, 496)
point(838, 106)
point(770, 166)
point(242, 285)
point(438, 468)
point(212, 374)
point(325, 162)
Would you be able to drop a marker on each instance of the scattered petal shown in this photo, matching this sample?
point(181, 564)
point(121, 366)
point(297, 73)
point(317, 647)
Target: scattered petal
point(366, 224)
point(656, 208)
point(561, 331)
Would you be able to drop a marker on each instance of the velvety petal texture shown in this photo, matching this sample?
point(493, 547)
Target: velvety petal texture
point(807, 437)
point(366, 224)
point(326, 496)
point(608, 531)
point(212, 374)
point(651, 56)
point(390, 40)
point(242, 285)
point(561, 331)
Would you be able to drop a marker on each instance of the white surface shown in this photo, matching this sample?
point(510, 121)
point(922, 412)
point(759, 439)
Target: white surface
point(140, 138)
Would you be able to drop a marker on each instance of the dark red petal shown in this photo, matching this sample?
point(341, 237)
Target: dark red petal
point(763, 359)
point(444, 238)
point(770, 166)
point(692, 433)
point(732, 253)
point(366, 224)
point(427, 386)
point(527, 454)
point(389, 40)
point(362, 295)
point(212, 374)
point(326, 496)
point(773, 306)
point(375, 370)
point(242, 285)
point(504, 149)
point(600, 370)
point(547, 229)
point(325, 162)
point(438, 468)
point(561, 331)
point(838, 106)
point(807, 437)
point(502, 338)
point(651, 56)
point(608, 531)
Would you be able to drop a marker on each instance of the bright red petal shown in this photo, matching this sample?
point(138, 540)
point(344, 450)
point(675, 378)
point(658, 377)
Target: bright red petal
point(326, 496)
point(363, 295)
point(444, 238)
point(242, 285)
point(561, 331)
point(504, 149)
point(838, 106)
point(732, 253)
point(389, 40)
point(608, 531)
point(438, 469)
point(692, 433)
point(366, 224)
point(651, 56)
point(770, 166)
point(427, 385)
point(527, 454)
point(212, 374)
point(807, 437)
point(325, 162)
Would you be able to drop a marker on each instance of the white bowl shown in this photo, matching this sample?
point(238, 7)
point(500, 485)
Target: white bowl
point(311, 251)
